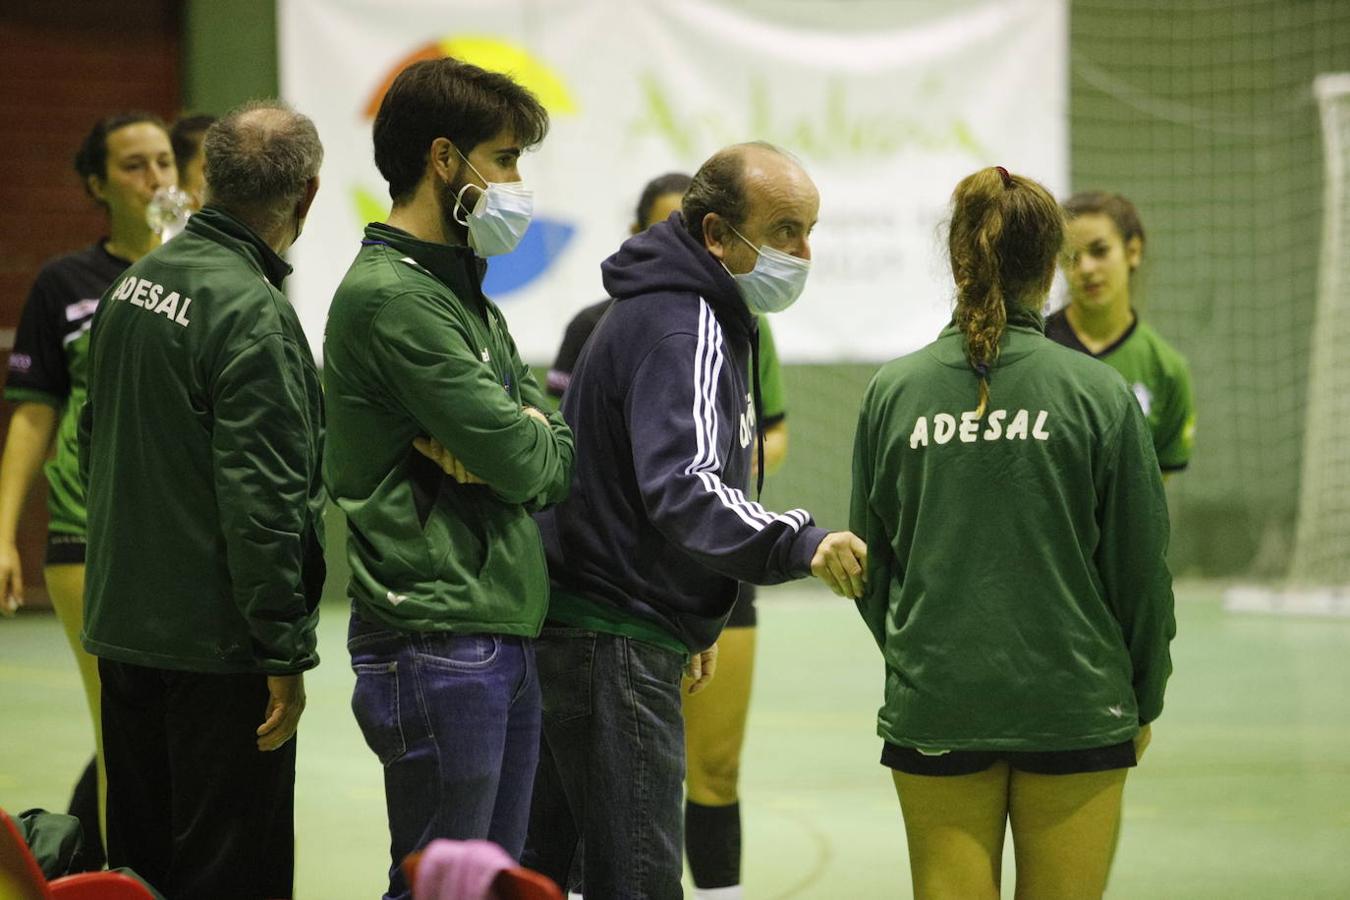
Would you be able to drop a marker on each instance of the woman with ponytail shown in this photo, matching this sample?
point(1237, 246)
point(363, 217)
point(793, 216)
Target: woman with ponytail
point(1010, 496)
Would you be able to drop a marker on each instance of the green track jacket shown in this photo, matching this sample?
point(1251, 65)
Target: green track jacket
point(1017, 583)
point(413, 348)
point(201, 443)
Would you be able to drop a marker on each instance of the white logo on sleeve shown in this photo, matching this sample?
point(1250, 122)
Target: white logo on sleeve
point(1118, 711)
point(487, 357)
point(1143, 395)
point(81, 310)
point(395, 599)
point(748, 421)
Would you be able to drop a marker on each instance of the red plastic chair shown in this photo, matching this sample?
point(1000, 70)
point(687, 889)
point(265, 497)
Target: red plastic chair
point(21, 877)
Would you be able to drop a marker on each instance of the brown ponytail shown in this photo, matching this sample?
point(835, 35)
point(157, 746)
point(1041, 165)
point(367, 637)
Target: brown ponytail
point(1006, 231)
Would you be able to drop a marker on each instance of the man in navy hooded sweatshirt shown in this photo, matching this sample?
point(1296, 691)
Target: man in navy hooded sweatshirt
point(646, 553)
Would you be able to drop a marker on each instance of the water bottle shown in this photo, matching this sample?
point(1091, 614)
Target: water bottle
point(168, 211)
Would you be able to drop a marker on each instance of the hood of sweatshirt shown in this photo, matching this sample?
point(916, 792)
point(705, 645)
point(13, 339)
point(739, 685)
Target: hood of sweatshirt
point(666, 259)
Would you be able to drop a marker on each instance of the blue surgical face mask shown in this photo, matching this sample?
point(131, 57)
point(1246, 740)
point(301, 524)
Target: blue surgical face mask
point(776, 281)
point(500, 216)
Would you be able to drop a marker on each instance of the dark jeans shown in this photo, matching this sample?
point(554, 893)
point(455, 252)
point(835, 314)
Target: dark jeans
point(194, 807)
point(611, 771)
point(454, 719)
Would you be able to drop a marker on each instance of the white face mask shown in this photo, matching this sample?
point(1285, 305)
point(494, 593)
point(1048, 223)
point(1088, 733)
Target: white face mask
point(500, 216)
point(776, 281)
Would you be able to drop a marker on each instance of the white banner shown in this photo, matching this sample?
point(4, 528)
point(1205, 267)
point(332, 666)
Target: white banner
point(886, 120)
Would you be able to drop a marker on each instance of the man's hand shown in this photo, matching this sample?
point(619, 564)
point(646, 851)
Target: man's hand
point(700, 669)
point(284, 706)
point(536, 413)
point(1142, 740)
point(841, 562)
point(435, 451)
point(11, 580)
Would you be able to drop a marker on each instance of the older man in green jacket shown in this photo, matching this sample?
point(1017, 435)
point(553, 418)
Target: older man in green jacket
point(201, 442)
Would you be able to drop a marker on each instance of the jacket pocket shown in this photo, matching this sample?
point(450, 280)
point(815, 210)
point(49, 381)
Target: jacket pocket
point(455, 533)
point(425, 480)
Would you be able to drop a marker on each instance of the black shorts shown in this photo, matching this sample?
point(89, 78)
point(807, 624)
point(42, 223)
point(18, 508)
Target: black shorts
point(1039, 762)
point(743, 613)
point(65, 549)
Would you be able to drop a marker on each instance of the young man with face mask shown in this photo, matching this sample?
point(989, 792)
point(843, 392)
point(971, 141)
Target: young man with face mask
point(646, 553)
point(422, 382)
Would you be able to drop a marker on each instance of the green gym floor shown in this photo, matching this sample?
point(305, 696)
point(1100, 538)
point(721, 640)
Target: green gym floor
point(1245, 792)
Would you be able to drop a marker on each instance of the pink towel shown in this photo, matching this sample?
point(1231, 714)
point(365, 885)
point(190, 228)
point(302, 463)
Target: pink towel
point(460, 870)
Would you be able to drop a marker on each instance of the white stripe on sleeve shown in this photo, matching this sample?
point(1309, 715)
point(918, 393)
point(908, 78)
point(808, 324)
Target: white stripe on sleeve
point(708, 361)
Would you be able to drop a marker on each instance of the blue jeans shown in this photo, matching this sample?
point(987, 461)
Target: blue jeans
point(611, 769)
point(454, 719)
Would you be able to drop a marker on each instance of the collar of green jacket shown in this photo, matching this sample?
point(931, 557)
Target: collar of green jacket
point(217, 225)
point(1024, 319)
point(1022, 323)
point(1027, 318)
point(455, 265)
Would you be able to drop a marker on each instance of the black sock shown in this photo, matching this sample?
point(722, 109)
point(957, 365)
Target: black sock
point(84, 806)
point(712, 840)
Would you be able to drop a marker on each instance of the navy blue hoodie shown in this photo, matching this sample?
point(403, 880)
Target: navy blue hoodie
point(656, 522)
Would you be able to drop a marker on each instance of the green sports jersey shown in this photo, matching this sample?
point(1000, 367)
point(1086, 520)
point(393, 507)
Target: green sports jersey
point(771, 391)
point(65, 490)
point(1017, 576)
point(1158, 377)
point(50, 361)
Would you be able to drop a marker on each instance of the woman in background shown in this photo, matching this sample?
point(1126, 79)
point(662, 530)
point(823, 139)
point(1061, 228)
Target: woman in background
point(1103, 250)
point(121, 163)
point(186, 136)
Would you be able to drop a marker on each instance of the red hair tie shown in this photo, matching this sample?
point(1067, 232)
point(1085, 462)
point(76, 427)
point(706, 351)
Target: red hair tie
point(1007, 179)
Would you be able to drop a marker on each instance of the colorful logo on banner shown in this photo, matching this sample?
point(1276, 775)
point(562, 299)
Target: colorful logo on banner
point(547, 236)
